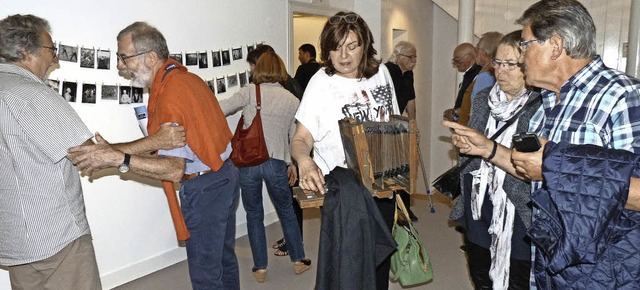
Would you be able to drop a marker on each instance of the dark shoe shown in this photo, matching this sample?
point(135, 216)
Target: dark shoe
point(412, 216)
point(278, 244)
point(301, 266)
point(282, 251)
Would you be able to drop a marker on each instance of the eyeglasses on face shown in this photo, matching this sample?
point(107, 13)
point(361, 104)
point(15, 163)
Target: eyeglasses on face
point(412, 57)
point(123, 58)
point(505, 64)
point(348, 18)
point(525, 43)
point(459, 58)
point(52, 48)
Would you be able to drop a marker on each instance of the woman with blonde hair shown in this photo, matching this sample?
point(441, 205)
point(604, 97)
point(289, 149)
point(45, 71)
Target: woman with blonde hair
point(278, 107)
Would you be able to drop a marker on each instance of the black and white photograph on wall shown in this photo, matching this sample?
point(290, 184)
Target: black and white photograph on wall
point(125, 95)
point(202, 60)
point(136, 95)
point(250, 48)
point(87, 57)
point(232, 80)
point(215, 58)
point(212, 85)
point(88, 93)
point(177, 57)
point(221, 85)
point(68, 53)
point(54, 85)
point(109, 92)
point(191, 58)
point(242, 78)
point(69, 91)
point(104, 59)
point(226, 58)
point(236, 53)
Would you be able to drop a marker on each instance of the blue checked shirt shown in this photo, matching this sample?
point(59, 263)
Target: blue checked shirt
point(598, 105)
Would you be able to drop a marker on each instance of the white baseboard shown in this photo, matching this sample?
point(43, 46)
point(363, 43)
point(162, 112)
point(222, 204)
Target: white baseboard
point(166, 259)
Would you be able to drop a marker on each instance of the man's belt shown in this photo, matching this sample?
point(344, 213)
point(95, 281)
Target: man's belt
point(192, 175)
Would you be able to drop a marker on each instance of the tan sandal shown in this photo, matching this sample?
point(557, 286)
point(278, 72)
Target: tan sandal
point(259, 274)
point(301, 266)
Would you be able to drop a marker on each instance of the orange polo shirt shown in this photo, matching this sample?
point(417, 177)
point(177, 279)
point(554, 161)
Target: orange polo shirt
point(179, 96)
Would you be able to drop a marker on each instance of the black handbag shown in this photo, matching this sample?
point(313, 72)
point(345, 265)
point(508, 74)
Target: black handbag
point(448, 183)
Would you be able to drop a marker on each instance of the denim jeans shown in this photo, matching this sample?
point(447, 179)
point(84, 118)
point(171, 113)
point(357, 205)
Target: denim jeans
point(209, 204)
point(274, 174)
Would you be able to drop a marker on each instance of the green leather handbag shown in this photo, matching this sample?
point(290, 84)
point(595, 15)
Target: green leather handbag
point(410, 264)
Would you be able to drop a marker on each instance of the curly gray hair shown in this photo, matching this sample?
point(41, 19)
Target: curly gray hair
point(19, 34)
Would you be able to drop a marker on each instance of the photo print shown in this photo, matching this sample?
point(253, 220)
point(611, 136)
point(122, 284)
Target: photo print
point(191, 58)
point(212, 85)
point(242, 77)
point(236, 53)
point(87, 58)
point(88, 93)
point(109, 92)
point(202, 60)
point(69, 91)
point(125, 95)
point(220, 85)
point(177, 57)
point(104, 59)
point(226, 58)
point(250, 48)
point(54, 85)
point(68, 53)
point(136, 95)
point(232, 80)
point(215, 58)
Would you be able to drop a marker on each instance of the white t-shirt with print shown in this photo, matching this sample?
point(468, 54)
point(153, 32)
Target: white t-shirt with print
point(329, 99)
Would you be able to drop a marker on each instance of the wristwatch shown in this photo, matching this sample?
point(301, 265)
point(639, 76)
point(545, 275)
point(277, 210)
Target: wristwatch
point(124, 167)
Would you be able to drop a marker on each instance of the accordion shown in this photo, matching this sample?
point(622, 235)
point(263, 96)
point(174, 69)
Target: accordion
point(383, 154)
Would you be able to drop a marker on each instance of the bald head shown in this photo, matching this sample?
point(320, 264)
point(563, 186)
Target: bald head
point(464, 56)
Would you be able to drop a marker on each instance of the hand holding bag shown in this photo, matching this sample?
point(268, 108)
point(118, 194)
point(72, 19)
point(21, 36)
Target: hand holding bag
point(249, 147)
point(410, 264)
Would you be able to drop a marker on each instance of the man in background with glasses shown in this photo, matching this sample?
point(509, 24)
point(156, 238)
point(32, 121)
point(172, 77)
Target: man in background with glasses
point(464, 60)
point(45, 241)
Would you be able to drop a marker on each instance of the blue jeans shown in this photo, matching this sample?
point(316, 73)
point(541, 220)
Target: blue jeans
point(209, 204)
point(274, 174)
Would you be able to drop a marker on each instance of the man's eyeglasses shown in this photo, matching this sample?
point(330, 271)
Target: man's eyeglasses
point(525, 43)
point(349, 18)
point(459, 58)
point(52, 48)
point(123, 58)
point(412, 57)
point(505, 64)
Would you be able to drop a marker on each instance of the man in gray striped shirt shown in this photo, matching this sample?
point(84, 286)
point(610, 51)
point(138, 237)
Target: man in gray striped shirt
point(44, 235)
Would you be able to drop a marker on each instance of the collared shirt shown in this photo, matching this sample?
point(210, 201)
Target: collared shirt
point(41, 203)
point(598, 105)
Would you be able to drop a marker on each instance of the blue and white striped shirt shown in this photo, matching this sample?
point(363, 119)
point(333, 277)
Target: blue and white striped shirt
point(41, 204)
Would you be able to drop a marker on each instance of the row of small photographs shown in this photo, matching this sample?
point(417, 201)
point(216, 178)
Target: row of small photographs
point(90, 56)
point(219, 86)
point(123, 94)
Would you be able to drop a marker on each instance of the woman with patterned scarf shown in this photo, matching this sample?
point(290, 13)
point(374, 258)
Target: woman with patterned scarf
point(494, 207)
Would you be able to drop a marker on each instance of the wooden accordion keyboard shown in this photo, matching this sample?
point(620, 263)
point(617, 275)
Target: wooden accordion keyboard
point(383, 154)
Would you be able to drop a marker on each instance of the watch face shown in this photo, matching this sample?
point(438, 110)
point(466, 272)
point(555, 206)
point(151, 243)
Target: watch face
point(123, 168)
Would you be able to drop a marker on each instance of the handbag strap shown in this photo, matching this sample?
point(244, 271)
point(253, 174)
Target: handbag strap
point(258, 100)
point(504, 127)
point(405, 213)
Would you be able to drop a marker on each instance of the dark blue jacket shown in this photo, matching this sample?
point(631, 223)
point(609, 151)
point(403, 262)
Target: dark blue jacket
point(354, 239)
point(585, 238)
